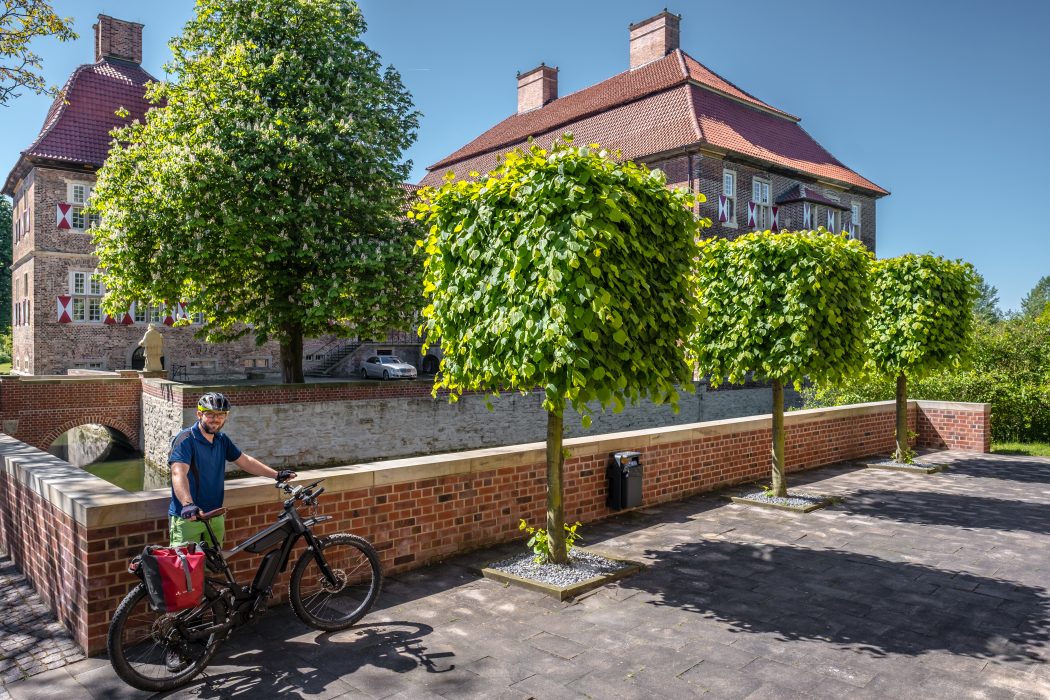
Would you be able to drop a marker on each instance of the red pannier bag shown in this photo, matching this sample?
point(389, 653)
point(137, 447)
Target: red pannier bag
point(174, 576)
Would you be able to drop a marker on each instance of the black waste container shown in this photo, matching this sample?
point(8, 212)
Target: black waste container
point(624, 475)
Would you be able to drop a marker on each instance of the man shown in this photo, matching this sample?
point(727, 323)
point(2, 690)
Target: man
point(198, 469)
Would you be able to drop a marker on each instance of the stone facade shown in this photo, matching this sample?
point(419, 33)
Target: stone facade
point(702, 171)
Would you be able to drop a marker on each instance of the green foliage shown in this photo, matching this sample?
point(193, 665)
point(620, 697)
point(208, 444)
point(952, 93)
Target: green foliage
point(5, 349)
point(781, 305)
point(539, 543)
point(266, 191)
point(562, 269)
point(5, 266)
point(922, 314)
point(21, 21)
point(1036, 303)
point(1009, 368)
point(986, 303)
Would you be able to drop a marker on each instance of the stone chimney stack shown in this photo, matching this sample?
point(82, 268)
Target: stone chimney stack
point(653, 38)
point(537, 87)
point(115, 38)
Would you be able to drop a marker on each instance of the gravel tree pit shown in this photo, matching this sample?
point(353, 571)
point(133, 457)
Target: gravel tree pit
point(582, 566)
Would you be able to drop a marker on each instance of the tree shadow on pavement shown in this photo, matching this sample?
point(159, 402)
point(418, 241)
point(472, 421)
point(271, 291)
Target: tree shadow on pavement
point(1006, 467)
point(322, 664)
point(855, 601)
point(957, 510)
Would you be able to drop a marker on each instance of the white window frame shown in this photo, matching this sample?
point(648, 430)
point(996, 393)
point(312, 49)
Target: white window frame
point(77, 195)
point(86, 288)
point(763, 210)
point(855, 218)
point(730, 195)
point(204, 363)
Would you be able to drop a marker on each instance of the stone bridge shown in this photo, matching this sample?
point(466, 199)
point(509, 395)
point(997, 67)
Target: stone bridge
point(37, 409)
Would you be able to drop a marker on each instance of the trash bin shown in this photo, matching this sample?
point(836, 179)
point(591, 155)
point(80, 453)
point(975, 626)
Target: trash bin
point(624, 475)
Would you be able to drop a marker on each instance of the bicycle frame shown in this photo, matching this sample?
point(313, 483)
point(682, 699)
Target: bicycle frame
point(290, 527)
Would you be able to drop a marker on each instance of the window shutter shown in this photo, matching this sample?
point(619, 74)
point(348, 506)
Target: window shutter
point(752, 214)
point(168, 320)
point(723, 208)
point(64, 215)
point(109, 320)
point(775, 222)
point(65, 309)
point(807, 216)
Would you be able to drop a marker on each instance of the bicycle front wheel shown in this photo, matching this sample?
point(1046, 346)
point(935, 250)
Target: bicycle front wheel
point(332, 607)
point(147, 649)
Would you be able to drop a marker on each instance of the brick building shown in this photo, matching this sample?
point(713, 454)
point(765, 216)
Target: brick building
point(57, 320)
point(756, 165)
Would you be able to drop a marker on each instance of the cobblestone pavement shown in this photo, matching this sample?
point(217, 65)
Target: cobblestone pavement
point(31, 640)
point(913, 586)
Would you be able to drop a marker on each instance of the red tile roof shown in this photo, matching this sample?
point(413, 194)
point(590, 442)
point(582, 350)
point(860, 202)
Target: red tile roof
point(76, 129)
point(665, 105)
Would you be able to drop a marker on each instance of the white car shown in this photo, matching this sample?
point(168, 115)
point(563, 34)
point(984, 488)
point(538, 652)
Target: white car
point(387, 367)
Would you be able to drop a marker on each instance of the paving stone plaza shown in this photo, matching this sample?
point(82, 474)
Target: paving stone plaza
point(913, 586)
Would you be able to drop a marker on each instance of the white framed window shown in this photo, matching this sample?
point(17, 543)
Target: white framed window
point(197, 318)
point(203, 364)
point(760, 196)
point(140, 312)
point(87, 289)
point(257, 362)
point(88, 364)
point(729, 192)
point(78, 194)
point(854, 231)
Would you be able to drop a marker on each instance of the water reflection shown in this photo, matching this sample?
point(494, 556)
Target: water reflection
point(107, 455)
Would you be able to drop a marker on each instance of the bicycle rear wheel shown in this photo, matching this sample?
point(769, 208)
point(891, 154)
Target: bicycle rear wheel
point(328, 607)
point(146, 648)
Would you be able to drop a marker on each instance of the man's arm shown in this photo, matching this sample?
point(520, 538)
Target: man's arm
point(180, 483)
point(253, 466)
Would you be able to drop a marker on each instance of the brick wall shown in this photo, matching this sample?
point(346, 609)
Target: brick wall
point(416, 511)
point(954, 426)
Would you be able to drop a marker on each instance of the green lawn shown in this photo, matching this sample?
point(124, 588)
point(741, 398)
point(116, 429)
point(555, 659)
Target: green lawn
point(5, 368)
point(1035, 449)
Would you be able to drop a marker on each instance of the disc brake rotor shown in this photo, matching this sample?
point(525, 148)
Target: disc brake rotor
point(340, 578)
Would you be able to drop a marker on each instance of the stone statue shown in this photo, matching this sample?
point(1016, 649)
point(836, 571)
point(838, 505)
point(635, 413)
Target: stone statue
point(153, 342)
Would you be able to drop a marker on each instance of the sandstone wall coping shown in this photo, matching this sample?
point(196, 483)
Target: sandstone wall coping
point(93, 502)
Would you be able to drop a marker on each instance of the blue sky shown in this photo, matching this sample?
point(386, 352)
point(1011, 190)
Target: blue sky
point(942, 104)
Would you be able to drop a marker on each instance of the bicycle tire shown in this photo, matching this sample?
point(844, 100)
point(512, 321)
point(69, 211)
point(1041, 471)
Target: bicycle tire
point(355, 563)
point(139, 656)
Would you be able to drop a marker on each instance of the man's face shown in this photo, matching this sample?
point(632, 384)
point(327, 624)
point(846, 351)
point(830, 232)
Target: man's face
point(212, 421)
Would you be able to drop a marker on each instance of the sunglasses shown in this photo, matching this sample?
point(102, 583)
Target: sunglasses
point(215, 414)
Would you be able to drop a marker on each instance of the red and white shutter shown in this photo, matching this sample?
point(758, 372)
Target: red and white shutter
point(168, 320)
point(109, 320)
point(64, 215)
point(775, 223)
point(65, 309)
point(831, 220)
point(752, 214)
point(807, 216)
point(128, 318)
point(180, 311)
point(723, 208)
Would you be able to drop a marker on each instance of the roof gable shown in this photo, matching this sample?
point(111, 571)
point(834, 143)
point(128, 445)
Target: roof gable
point(76, 129)
point(665, 105)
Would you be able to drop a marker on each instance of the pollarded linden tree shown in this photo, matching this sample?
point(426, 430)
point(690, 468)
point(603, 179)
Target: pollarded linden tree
point(566, 270)
point(265, 186)
point(921, 321)
point(783, 306)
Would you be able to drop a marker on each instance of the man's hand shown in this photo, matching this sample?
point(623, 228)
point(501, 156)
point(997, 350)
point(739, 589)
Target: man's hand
point(190, 512)
point(285, 474)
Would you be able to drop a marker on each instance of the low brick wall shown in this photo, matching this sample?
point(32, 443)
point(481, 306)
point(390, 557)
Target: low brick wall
point(957, 426)
point(72, 533)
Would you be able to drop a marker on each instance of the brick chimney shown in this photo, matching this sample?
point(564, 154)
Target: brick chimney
point(653, 38)
point(537, 87)
point(115, 38)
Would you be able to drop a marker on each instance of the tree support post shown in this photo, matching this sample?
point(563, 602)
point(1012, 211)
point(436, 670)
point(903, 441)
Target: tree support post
point(903, 449)
point(555, 488)
point(779, 484)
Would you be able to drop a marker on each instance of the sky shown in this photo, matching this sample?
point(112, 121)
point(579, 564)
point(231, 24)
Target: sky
point(943, 104)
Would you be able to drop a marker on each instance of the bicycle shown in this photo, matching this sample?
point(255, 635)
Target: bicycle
point(333, 585)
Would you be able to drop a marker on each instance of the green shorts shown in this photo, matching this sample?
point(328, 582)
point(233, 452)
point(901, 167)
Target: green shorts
point(193, 530)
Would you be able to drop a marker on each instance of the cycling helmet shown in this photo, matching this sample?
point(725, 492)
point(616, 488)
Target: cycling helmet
point(213, 401)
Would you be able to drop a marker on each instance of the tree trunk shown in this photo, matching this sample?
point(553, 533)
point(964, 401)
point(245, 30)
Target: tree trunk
point(292, 353)
point(903, 450)
point(779, 481)
point(555, 489)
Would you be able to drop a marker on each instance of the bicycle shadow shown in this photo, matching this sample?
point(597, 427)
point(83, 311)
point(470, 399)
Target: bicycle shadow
point(317, 663)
